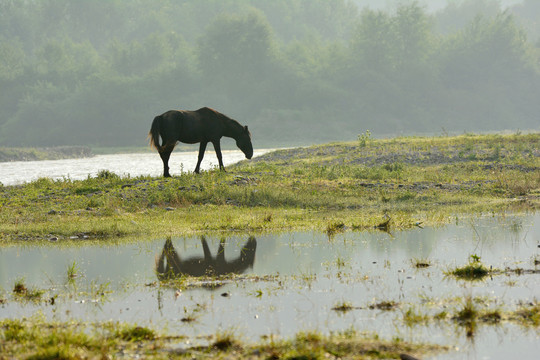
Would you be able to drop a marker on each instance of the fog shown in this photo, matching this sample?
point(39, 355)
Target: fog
point(298, 72)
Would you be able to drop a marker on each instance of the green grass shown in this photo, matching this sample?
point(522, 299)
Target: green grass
point(330, 188)
point(474, 270)
point(35, 338)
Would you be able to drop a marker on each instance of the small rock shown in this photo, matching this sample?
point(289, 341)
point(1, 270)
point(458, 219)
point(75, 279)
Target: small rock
point(52, 212)
point(226, 294)
point(170, 208)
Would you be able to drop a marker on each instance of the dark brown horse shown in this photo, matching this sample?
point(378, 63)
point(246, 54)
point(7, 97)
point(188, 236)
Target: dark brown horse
point(201, 126)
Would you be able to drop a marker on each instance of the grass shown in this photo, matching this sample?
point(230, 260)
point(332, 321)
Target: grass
point(33, 338)
point(421, 263)
point(328, 188)
point(72, 272)
point(367, 185)
point(23, 292)
point(474, 270)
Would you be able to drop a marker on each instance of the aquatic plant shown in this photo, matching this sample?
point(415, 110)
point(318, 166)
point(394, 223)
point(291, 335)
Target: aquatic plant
point(421, 263)
point(21, 291)
point(344, 307)
point(135, 333)
point(72, 272)
point(474, 270)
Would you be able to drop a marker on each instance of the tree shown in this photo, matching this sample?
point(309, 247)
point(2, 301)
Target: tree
point(236, 51)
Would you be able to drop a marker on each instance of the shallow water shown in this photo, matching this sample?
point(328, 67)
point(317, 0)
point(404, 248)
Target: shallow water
point(313, 273)
point(18, 172)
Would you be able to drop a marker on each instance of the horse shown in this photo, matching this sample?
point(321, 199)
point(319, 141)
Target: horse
point(200, 126)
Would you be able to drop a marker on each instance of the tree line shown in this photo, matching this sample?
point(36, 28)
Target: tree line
point(296, 71)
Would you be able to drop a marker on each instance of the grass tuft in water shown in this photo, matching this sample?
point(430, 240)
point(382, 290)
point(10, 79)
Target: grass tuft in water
point(529, 314)
point(225, 341)
point(135, 333)
point(421, 263)
point(21, 291)
point(384, 305)
point(334, 228)
point(474, 270)
point(72, 272)
point(344, 307)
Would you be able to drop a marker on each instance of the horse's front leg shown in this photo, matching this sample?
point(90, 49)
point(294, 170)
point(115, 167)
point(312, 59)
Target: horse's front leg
point(217, 147)
point(202, 149)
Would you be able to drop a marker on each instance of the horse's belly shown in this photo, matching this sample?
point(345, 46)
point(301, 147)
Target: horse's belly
point(189, 139)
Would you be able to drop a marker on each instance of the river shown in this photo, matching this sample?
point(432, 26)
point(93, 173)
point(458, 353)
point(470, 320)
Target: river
point(19, 172)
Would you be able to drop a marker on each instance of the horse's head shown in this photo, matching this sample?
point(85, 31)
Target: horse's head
point(243, 141)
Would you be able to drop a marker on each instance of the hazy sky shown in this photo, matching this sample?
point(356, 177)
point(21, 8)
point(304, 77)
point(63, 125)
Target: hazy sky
point(432, 5)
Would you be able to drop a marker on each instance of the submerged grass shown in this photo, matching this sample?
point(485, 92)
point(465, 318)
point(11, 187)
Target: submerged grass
point(328, 188)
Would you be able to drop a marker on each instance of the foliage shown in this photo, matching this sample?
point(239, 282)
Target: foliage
point(93, 73)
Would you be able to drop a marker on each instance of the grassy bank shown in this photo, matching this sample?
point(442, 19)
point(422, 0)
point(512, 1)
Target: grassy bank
point(35, 339)
point(358, 185)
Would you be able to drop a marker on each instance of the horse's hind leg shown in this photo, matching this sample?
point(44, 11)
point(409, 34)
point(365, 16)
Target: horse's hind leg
point(165, 155)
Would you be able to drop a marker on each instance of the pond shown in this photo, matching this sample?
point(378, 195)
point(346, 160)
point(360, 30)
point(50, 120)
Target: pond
point(147, 164)
point(291, 282)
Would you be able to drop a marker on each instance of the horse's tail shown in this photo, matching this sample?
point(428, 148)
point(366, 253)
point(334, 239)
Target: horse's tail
point(155, 132)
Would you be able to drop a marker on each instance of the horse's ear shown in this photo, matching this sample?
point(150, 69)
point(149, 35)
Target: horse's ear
point(245, 127)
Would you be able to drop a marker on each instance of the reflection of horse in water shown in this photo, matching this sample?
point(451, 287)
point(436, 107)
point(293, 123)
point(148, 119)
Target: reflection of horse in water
point(170, 266)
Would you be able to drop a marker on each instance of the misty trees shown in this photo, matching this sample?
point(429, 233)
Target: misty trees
point(390, 65)
point(297, 71)
point(236, 53)
point(489, 70)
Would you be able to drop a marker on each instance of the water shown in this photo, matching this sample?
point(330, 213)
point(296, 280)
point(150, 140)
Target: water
point(18, 172)
point(290, 282)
